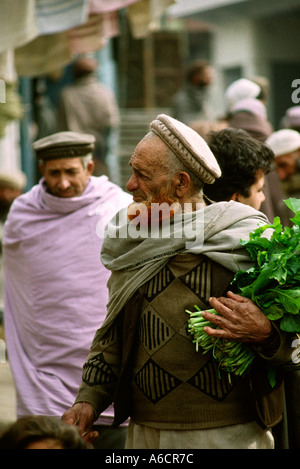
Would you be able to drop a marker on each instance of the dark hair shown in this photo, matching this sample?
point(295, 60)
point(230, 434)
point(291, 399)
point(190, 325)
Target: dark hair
point(240, 157)
point(198, 66)
point(27, 430)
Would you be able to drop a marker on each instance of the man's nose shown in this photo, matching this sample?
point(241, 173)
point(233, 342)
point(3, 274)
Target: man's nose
point(64, 183)
point(282, 174)
point(132, 184)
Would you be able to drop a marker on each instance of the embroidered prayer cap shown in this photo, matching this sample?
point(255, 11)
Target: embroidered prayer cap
point(188, 146)
point(284, 141)
point(64, 145)
point(241, 89)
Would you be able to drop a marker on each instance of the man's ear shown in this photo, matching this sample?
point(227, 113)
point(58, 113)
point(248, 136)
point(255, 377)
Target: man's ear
point(182, 184)
point(90, 167)
point(41, 167)
point(235, 197)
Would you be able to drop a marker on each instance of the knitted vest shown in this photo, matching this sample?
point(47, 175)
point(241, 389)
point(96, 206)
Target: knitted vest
point(173, 385)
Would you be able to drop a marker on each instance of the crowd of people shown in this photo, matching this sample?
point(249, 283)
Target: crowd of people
point(96, 294)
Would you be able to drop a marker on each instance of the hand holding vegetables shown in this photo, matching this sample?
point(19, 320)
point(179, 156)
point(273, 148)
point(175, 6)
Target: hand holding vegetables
point(273, 284)
point(238, 319)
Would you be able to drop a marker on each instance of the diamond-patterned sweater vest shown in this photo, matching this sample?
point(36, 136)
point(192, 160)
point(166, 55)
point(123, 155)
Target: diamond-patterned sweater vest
point(172, 385)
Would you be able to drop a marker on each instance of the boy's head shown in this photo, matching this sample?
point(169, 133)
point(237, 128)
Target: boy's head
point(243, 161)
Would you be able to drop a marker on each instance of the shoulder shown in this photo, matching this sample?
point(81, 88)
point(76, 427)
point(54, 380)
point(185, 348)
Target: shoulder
point(22, 210)
point(26, 201)
point(102, 182)
point(237, 211)
point(110, 193)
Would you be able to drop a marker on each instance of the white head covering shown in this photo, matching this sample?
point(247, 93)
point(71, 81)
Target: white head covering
point(292, 117)
point(284, 141)
point(252, 105)
point(15, 180)
point(188, 146)
point(241, 89)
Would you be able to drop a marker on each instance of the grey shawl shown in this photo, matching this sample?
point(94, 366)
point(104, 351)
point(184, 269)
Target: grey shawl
point(134, 261)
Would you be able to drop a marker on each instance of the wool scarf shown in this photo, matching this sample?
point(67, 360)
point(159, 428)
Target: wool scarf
point(215, 231)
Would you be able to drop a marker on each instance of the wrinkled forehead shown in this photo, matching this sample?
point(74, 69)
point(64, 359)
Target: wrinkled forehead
point(151, 147)
point(286, 157)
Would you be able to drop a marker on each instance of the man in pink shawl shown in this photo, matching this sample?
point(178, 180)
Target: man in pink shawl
point(55, 283)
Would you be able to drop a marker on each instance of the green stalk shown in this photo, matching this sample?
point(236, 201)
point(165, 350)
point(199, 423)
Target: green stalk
point(232, 357)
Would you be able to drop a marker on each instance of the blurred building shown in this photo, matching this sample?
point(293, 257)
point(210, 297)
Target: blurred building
point(143, 47)
point(38, 41)
point(250, 38)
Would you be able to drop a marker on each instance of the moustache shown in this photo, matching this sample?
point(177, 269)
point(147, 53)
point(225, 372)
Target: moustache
point(153, 212)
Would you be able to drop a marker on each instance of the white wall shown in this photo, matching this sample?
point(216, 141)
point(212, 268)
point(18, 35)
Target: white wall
point(10, 143)
point(253, 44)
point(277, 41)
point(233, 46)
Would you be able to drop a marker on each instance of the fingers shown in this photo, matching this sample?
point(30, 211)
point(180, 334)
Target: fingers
point(233, 302)
point(222, 306)
point(219, 321)
point(236, 297)
point(227, 318)
point(90, 436)
point(217, 333)
point(70, 421)
point(70, 417)
point(80, 415)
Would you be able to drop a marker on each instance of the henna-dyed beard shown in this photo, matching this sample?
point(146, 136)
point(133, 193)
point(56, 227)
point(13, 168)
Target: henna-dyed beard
point(136, 210)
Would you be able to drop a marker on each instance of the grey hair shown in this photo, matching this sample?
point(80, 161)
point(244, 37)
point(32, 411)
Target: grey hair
point(86, 159)
point(174, 165)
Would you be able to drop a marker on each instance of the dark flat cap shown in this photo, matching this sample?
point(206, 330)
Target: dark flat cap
point(188, 146)
point(64, 145)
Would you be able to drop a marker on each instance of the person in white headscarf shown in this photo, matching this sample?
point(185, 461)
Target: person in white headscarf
point(240, 89)
point(285, 144)
point(291, 119)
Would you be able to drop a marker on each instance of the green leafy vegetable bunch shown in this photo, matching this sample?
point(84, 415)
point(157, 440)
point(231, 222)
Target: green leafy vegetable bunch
point(273, 283)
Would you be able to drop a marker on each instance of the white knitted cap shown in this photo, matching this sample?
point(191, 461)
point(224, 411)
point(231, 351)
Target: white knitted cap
point(292, 117)
point(189, 147)
point(252, 105)
point(241, 89)
point(284, 141)
point(15, 180)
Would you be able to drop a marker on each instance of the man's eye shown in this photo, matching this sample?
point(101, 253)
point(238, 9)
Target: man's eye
point(72, 171)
